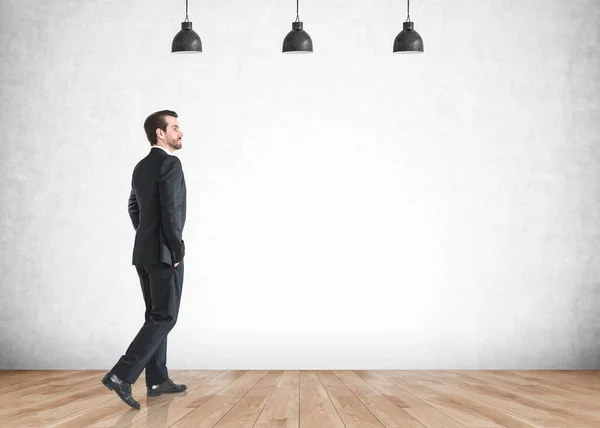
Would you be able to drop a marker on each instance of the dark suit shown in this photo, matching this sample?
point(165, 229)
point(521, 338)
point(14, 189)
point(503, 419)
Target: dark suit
point(157, 208)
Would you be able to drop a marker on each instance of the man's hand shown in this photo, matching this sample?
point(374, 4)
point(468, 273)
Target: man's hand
point(176, 264)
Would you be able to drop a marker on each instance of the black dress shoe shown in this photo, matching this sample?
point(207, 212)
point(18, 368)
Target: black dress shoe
point(122, 388)
point(167, 387)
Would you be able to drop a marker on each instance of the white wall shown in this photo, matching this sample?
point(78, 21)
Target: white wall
point(349, 209)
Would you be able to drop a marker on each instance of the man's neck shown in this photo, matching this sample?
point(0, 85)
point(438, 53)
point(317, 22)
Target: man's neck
point(168, 149)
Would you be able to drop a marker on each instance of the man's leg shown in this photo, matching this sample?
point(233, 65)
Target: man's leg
point(156, 369)
point(165, 284)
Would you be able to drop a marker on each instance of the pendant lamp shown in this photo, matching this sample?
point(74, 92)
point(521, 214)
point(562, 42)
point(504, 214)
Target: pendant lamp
point(187, 41)
point(297, 41)
point(408, 40)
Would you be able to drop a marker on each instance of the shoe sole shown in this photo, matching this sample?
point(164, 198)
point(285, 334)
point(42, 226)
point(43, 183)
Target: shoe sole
point(151, 393)
point(110, 387)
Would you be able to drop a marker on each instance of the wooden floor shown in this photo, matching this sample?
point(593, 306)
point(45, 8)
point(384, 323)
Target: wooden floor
point(320, 399)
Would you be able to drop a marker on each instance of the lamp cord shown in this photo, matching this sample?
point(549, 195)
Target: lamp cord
point(297, 8)
point(408, 11)
point(186, 11)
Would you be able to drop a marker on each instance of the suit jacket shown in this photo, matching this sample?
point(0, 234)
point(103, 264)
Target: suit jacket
point(157, 208)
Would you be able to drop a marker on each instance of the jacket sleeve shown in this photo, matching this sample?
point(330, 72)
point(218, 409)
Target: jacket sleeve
point(134, 210)
point(170, 189)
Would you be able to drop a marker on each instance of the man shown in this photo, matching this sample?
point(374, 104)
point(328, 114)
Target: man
point(157, 207)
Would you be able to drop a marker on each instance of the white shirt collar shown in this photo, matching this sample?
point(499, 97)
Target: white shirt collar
point(162, 148)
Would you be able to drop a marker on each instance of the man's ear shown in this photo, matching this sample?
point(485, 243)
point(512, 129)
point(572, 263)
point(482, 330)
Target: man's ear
point(160, 134)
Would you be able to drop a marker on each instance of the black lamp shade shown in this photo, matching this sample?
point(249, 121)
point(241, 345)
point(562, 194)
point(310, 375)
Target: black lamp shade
point(408, 40)
point(297, 41)
point(187, 40)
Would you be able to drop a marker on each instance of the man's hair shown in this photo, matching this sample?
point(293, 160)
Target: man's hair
point(155, 121)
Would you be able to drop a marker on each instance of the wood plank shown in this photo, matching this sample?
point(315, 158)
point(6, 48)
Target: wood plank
point(34, 379)
point(211, 410)
point(41, 390)
point(397, 395)
point(283, 408)
point(442, 402)
point(245, 413)
point(513, 402)
point(112, 412)
point(352, 411)
point(316, 409)
point(425, 413)
point(379, 405)
point(200, 389)
point(80, 393)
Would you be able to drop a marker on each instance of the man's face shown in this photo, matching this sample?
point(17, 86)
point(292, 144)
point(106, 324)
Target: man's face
point(173, 135)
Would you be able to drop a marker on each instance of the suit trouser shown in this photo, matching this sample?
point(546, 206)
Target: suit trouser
point(161, 286)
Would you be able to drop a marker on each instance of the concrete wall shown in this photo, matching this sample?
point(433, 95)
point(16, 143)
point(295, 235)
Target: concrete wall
point(348, 209)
